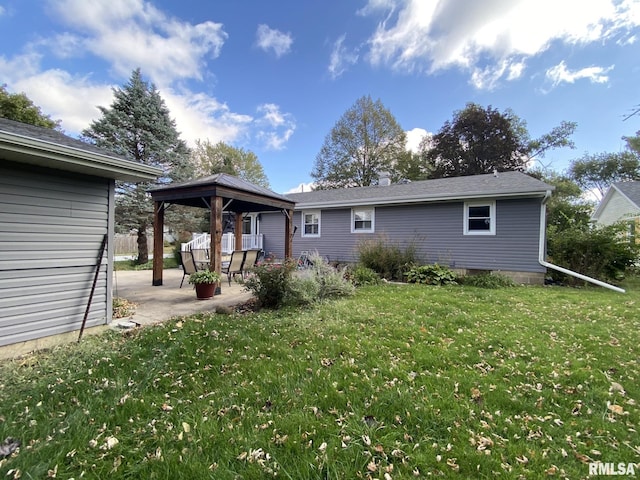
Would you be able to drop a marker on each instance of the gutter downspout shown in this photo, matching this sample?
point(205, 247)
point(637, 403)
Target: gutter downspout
point(541, 251)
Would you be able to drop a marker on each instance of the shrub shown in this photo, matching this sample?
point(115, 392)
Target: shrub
point(488, 280)
point(431, 275)
point(270, 282)
point(600, 253)
point(360, 275)
point(283, 285)
point(390, 260)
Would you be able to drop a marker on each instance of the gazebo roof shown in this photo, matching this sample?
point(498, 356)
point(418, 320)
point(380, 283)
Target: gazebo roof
point(243, 196)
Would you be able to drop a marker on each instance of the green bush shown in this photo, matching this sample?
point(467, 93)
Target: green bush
point(283, 285)
point(269, 282)
point(390, 260)
point(602, 252)
point(431, 275)
point(488, 280)
point(360, 275)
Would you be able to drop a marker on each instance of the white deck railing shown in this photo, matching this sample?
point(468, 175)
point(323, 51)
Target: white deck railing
point(203, 241)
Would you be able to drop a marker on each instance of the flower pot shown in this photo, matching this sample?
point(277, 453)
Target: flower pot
point(204, 291)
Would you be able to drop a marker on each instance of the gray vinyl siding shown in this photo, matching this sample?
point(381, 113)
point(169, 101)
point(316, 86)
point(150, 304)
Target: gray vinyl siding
point(51, 227)
point(436, 229)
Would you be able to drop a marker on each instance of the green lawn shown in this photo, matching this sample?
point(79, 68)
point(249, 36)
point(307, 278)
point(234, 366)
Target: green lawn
point(399, 381)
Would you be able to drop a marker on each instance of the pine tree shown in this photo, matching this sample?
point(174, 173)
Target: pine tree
point(138, 126)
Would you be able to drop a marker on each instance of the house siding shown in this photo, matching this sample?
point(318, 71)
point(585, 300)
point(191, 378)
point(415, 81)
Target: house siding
point(617, 208)
point(436, 229)
point(51, 227)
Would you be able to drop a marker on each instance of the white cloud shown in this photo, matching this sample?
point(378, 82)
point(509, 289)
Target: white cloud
point(491, 39)
point(73, 99)
point(414, 137)
point(133, 33)
point(2, 10)
point(127, 34)
point(341, 59)
point(271, 39)
point(275, 127)
point(561, 74)
point(199, 116)
point(303, 187)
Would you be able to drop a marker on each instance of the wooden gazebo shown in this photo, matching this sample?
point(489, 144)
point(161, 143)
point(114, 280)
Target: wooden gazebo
point(218, 193)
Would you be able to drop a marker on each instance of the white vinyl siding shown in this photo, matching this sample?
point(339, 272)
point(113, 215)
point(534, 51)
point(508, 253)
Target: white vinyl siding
point(363, 220)
point(480, 218)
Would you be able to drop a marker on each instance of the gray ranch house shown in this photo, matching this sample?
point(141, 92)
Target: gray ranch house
point(56, 206)
point(493, 222)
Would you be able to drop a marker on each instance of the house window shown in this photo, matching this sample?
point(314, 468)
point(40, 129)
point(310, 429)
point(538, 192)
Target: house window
point(310, 224)
point(480, 218)
point(362, 220)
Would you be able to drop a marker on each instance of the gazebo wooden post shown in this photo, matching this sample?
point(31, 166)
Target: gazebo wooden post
point(288, 234)
point(215, 254)
point(158, 244)
point(237, 231)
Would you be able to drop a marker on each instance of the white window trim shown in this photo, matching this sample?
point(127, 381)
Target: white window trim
point(311, 212)
point(373, 220)
point(492, 218)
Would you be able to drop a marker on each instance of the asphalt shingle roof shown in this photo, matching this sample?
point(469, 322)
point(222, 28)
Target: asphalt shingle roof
point(631, 190)
point(475, 186)
point(225, 180)
point(51, 136)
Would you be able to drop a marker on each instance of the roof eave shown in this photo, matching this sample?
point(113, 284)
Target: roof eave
point(421, 199)
point(52, 155)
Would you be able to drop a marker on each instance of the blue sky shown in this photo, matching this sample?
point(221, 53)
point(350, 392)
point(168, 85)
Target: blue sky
point(273, 77)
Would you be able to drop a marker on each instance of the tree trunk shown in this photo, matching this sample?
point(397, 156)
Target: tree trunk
point(143, 248)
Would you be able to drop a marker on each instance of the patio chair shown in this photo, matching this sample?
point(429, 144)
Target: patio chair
point(250, 260)
point(235, 264)
point(187, 263)
point(201, 258)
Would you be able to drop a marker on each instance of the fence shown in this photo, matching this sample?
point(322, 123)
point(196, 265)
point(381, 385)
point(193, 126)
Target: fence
point(125, 244)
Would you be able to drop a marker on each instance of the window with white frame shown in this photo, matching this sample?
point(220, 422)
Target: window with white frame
point(311, 224)
point(480, 218)
point(362, 220)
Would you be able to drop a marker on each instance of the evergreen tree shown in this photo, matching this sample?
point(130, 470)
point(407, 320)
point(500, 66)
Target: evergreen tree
point(138, 126)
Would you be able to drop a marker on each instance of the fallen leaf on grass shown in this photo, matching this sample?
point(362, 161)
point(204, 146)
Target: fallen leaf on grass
point(617, 409)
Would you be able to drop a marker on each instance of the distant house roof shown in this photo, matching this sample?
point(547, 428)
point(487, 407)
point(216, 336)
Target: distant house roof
point(504, 184)
point(246, 196)
point(24, 143)
point(629, 191)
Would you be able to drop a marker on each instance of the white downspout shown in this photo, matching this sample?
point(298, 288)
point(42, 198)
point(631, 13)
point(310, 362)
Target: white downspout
point(541, 251)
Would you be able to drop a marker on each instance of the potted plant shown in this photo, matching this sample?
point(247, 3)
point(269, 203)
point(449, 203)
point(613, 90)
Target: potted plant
point(205, 282)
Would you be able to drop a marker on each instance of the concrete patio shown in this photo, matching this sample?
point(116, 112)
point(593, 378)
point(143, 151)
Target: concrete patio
point(156, 304)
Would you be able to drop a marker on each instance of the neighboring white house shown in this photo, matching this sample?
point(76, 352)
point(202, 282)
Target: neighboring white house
point(56, 206)
point(621, 202)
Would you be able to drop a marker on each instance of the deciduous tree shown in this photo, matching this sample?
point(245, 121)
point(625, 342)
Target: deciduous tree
point(599, 171)
point(19, 107)
point(479, 140)
point(364, 142)
point(138, 126)
point(209, 159)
